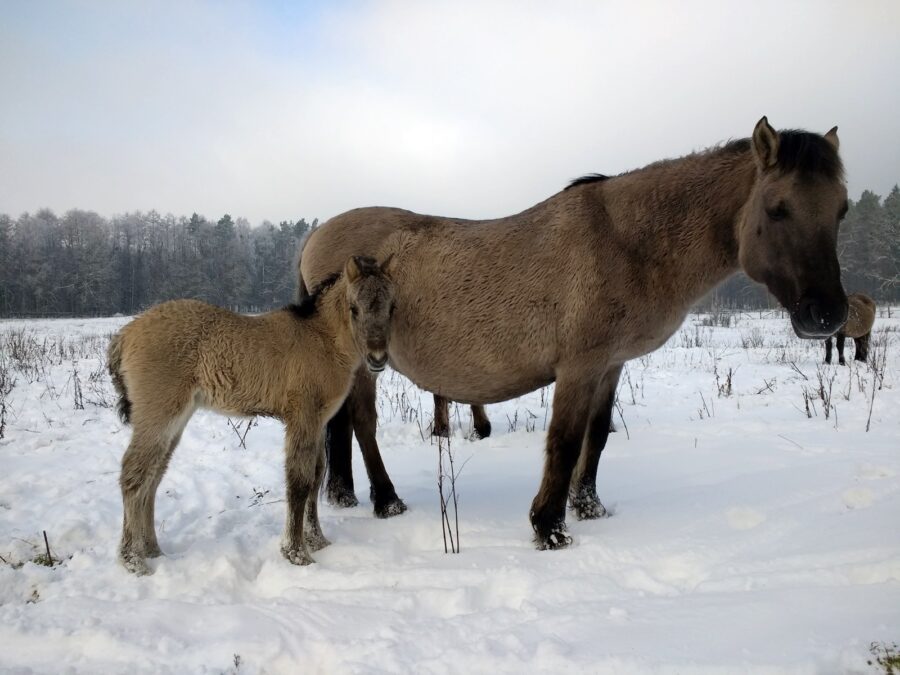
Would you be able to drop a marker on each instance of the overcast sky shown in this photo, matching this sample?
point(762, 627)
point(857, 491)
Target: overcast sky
point(281, 110)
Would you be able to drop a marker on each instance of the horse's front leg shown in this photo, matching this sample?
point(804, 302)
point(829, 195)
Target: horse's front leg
point(339, 456)
point(302, 450)
point(571, 407)
point(583, 489)
point(365, 417)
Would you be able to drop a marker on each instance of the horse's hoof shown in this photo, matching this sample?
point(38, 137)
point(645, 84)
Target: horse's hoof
point(316, 542)
point(390, 509)
point(441, 431)
point(483, 431)
point(339, 495)
point(297, 556)
point(842, 362)
point(557, 538)
point(586, 505)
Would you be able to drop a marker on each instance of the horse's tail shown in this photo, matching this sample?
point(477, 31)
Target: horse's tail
point(114, 362)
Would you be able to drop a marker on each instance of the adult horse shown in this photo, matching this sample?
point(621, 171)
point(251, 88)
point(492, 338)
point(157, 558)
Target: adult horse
point(569, 290)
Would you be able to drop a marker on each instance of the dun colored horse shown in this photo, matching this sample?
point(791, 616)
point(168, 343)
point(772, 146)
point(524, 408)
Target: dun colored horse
point(569, 290)
point(295, 364)
point(859, 327)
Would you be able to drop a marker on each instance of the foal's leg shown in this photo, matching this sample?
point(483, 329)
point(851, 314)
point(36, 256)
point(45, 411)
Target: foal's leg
point(482, 423)
point(583, 490)
point(828, 349)
point(143, 465)
point(314, 536)
point(571, 407)
point(339, 490)
point(362, 412)
point(840, 349)
point(441, 425)
point(302, 451)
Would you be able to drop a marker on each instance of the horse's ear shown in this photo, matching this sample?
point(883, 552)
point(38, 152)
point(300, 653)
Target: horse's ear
point(352, 269)
point(387, 267)
point(765, 144)
point(832, 138)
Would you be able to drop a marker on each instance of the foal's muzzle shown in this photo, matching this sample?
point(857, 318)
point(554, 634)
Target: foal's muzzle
point(376, 363)
point(818, 317)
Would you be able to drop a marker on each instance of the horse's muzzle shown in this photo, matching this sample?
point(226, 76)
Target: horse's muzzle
point(816, 318)
point(376, 364)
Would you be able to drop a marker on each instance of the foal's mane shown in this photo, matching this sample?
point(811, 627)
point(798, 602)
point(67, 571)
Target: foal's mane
point(309, 304)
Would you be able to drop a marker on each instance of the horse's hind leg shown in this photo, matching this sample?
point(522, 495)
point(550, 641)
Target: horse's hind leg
point(840, 349)
point(441, 425)
point(828, 349)
point(339, 453)
point(862, 347)
point(481, 421)
point(313, 531)
point(364, 416)
point(302, 455)
point(583, 489)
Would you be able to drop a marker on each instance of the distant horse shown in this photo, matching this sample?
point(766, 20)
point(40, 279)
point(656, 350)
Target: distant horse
point(294, 364)
point(569, 290)
point(859, 327)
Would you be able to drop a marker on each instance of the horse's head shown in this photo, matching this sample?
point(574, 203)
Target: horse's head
point(788, 229)
point(370, 296)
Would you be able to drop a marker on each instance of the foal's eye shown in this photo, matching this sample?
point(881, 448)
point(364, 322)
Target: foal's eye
point(844, 209)
point(354, 310)
point(777, 213)
point(391, 311)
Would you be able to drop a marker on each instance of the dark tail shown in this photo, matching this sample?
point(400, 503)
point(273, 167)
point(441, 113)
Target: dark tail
point(114, 361)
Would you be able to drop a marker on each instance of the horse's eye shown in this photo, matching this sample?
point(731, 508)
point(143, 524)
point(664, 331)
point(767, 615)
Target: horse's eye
point(844, 209)
point(393, 307)
point(354, 310)
point(780, 212)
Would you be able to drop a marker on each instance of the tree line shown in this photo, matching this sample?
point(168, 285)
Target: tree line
point(81, 264)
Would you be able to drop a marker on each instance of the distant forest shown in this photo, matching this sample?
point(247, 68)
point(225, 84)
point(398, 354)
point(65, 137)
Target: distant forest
point(81, 264)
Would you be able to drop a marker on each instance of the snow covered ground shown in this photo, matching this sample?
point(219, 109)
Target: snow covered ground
point(747, 535)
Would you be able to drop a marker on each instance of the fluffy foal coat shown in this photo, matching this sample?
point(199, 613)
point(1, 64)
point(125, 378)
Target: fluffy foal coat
point(859, 327)
point(295, 364)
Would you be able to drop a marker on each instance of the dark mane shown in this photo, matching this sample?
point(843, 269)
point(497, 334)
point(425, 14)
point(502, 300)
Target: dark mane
point(586, 179)
point(307, 306)
point(808, 154)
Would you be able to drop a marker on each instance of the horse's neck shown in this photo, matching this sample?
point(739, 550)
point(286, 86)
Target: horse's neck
point(682, 216)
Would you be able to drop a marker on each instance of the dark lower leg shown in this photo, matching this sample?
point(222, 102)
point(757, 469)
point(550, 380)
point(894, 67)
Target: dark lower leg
point(571, 405)
point(364, 416)
point(441, 426)
point(862, 347)
point(339, 452)
point(583, 489)
point(481, 421)
point(840, 349)
point(828, 349)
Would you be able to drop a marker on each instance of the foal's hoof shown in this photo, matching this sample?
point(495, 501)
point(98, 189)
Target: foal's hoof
point(297, 555)
point(135, 563)
point(341, 495)
point(391, 508)
point(483, 430)
point(587, 505)
point(555, 539)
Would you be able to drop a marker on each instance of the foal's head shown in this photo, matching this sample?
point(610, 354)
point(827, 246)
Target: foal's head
point(788, 231)
point(370, 295)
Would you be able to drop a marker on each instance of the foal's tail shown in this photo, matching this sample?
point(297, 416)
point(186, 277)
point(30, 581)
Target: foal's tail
point(114, 361)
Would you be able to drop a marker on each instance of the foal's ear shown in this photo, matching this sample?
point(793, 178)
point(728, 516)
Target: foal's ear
point(388, 266)
point(832, 138)
point(352, 269)
point(765, 144)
